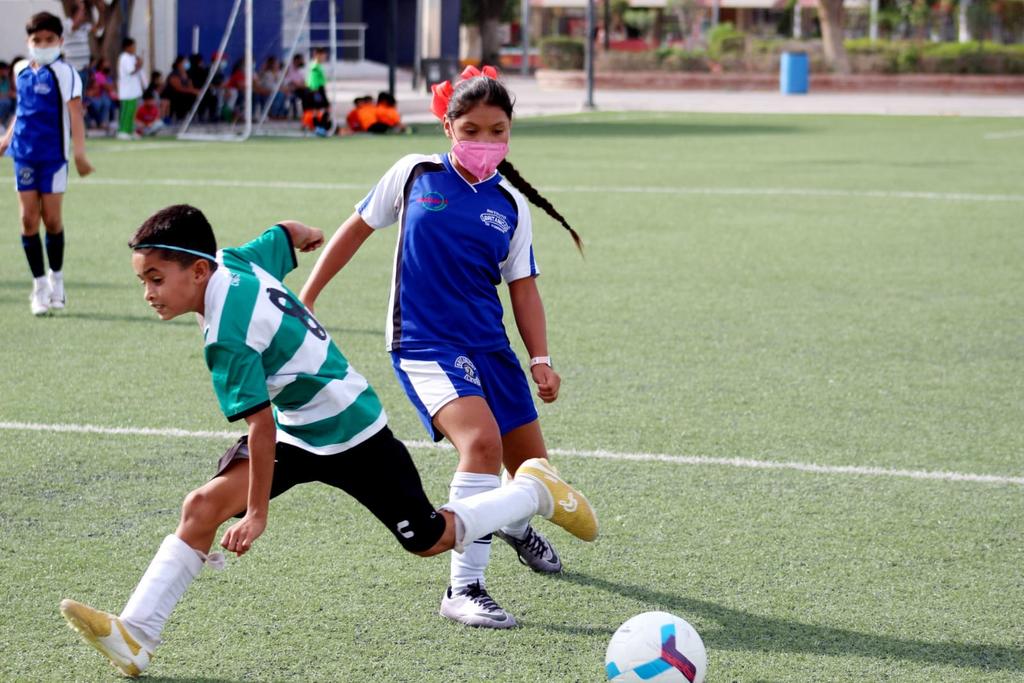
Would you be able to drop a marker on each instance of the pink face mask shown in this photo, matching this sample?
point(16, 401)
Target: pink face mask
point(480, 158)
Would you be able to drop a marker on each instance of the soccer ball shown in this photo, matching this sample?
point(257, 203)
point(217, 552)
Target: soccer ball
point(656, 647)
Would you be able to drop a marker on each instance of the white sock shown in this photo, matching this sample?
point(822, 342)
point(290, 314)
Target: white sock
point(170, 573)
point(518, 528)
point(468, 566)
point(484, 513)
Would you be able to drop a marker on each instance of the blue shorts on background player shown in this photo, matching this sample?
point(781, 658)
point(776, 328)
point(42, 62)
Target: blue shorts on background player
point(47, 124)
point(464, 228)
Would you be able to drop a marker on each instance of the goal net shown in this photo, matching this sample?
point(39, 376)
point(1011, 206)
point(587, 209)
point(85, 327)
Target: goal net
point(223, 107)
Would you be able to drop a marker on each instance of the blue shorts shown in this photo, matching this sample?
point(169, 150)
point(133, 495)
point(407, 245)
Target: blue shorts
point(434, 377)
point(44, 177)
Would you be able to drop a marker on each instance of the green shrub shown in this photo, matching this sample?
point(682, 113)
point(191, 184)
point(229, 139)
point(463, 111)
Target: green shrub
point(724, 40)
point(562, 52)
point(675, 59)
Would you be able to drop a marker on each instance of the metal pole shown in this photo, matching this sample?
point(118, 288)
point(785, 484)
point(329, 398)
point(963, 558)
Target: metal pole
point(417, 50)
point(588, 55)
point(332, 21)
point(524, 29)
point(798, 21)
point(248, 70)
point(393, 47)
point(873, 30)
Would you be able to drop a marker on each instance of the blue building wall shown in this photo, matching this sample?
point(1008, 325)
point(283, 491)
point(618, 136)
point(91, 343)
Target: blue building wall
point(211, 18)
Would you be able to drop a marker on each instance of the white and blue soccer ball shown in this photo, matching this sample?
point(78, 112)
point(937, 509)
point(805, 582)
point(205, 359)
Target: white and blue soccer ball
point(656, 647)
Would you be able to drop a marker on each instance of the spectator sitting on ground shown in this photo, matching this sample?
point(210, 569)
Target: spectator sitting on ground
point(361, 117)
point(388, 118)
point(295, 85)
point(179, 92)
point(157, 84)
point(100, 97)
point(8, 94)
point(147, 116)
point(265, 83)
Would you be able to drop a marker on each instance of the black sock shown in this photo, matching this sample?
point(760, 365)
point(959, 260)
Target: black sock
point(34, 253)
point(55, 250)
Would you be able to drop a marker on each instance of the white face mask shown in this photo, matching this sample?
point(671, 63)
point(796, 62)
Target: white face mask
point(44, 55)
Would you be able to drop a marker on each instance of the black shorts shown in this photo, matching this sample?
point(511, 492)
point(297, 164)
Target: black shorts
point(379, 473)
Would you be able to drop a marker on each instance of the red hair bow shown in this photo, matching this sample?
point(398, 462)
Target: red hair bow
point(443, 91)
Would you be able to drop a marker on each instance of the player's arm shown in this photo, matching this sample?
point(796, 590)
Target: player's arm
point(82, 164)
point(339, 251)
point(304, 238)
point(533, 328)
point(5, 142)
point(262, 445)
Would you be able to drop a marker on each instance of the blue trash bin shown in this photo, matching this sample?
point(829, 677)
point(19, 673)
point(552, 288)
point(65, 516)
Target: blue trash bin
point(793, 73)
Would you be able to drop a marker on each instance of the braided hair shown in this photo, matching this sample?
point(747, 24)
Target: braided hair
point(483, 90)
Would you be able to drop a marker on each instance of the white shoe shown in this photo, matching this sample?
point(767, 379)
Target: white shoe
point(121, 135)
point(108, 635)
point(57, 296)
point(472, 606)
point(39, 302)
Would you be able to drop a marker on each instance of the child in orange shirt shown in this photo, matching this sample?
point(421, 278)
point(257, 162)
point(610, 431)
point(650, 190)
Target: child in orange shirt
point(388, 118)
point(362, 116)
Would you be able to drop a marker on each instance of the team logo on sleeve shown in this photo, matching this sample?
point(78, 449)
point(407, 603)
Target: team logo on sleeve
point(496, 220)
point(433, 201)
point(466, 365)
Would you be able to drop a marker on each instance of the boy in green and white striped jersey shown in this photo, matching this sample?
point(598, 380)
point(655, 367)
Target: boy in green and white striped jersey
point(311, 417)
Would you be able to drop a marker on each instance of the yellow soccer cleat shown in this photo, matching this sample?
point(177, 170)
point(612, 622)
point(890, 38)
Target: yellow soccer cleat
point(106, 633)
point(569, 508)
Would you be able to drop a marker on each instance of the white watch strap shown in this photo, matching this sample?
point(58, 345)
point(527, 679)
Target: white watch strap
point(541, 360)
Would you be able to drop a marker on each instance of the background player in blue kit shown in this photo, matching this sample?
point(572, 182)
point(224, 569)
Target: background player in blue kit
point(48, 122)
point(464, 227)
point(311, 417)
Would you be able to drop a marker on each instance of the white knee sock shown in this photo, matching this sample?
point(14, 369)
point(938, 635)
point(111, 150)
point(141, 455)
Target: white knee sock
point(170, 573)
point(468, 566)
point(487, 512)
point(516, 529)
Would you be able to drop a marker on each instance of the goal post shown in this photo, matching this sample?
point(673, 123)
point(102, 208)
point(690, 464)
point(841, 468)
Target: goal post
point(232, 134)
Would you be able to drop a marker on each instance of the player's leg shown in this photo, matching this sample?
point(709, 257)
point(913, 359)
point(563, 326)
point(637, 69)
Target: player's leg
point(53, 221)
point(30, 210)
point(444, 387)
point(129, 640)
point(511, 400)
point(470, 426)
point(533, 548)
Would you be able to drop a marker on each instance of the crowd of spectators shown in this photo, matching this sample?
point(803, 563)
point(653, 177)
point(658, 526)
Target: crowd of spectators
point(172, 96)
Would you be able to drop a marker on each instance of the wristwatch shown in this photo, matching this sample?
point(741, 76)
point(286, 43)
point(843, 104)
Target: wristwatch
point(541, 360)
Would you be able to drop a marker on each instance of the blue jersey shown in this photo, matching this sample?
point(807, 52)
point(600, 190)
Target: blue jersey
point(457, 241)
point(42, 129)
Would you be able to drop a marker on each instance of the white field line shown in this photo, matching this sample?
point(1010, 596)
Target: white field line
point(1004, 134)
point(745, 463)
point(588, 189)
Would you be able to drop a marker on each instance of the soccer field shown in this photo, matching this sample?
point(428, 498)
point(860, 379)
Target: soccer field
point(793, 388)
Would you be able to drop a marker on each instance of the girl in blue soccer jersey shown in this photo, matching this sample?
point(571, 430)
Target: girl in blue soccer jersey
point(464, 227)
point(310, 415)
point(47, 123)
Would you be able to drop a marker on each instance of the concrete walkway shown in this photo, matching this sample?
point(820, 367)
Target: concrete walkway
point(531, 100)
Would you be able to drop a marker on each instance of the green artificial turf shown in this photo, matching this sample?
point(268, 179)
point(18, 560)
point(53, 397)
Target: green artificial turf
point(835, 291)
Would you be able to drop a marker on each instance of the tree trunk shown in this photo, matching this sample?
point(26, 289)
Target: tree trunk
point(490, 35)
point(832, 17)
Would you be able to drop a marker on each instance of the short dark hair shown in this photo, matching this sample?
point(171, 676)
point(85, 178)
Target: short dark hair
point(4, 65)
point(180, 226)
point(385, 97)
point(44, 21)
point(127, 42)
